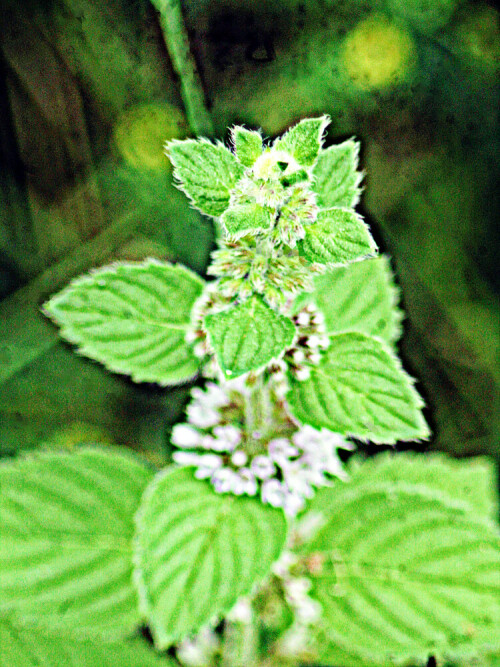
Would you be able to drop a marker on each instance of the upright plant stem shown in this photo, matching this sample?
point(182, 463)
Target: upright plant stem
point(177, 42)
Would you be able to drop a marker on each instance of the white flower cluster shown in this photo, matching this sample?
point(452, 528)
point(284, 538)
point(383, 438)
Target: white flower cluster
point(284, 471)
point(306, 611)
point(310, 342)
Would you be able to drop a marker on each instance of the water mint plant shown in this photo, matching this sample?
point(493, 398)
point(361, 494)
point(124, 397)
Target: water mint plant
point(258, 544)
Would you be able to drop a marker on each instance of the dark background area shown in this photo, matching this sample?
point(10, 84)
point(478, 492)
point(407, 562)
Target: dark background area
point(87, 98)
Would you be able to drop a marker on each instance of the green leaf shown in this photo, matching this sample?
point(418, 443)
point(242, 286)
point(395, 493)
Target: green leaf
point(30, 646)
point(360, 390)
point(246, 218)
point(335, 176)
point(66, 522)
point(303, 141)
point(248, 336)
point(405, 574)
point(469, 480)
point(132, 318)
point(197, 552)
point(247, 144)
point(338, 236)
point(205, 172)
point(360, 297)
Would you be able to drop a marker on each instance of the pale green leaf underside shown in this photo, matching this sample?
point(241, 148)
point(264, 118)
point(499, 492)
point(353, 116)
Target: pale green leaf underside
point(29, 646)
point(360, 297)
point(66, 527)
point(245, 219)
point(472, 481)
point(205, 172)
point(360, 390)
point(198, 551)
point(248, 336)
point(407, 574)
point(303, 141)
point(335, 176)
point(247, 144)
point(132, 318)
point(338, 236)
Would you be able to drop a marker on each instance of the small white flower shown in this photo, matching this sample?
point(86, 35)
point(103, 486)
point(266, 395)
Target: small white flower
point(273, 493)
point(295, 475)
point(227, 438)
point(202, 415)
point(241, 612)
point(263, 467)
point(302, 374)
point(298, 356)
point(281, 449)
point(309, 611)
point(314, 358)
point(200, 350)
point(187, 458)
point(248, 480)
point(213, 396)
point(303, 319)
point(198, 651)
point(293, 504)
point(318, 318)
point(207, 465)
point(207, 442)
point(297, 588)
point(239, 458)
point(184, 435)
point(282, 566)
point(224, 480)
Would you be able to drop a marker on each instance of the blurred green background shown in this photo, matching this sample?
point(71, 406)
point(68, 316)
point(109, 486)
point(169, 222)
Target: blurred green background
point(88, 96)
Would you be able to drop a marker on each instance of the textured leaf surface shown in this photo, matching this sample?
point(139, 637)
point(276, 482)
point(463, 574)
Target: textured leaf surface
point(359, 389)
point(198, 551)
point(246, 218)
point(26, 646)
point(66, 522)
point(336, 177)
point(338, 236)
point(205, 172)
point(248, 336)
point(303, 141)
point(247, 144)
point(360, 297)
point(405, 574)
point(132, 318)
point(472, 481)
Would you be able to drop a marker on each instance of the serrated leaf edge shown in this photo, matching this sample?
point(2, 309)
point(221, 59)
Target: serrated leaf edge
point(88, 278)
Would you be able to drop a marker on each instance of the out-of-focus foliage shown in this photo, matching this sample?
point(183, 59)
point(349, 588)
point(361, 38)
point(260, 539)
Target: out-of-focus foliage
point(88, 93)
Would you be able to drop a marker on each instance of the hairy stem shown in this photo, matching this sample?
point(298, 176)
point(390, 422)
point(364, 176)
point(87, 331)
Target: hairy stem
point(177, 42)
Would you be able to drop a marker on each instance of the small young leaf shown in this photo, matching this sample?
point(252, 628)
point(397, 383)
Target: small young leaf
point(248, 336)
point(335, 176)
point(246, 218)
point(205, 172)
point(303, 141)
point(247, 144)
point(66, 522)
point(405, 574)
point(360, 390)
point(132, 318)
point(360, 297)
point(30, 646)
point(338, 236)
point(197, 552)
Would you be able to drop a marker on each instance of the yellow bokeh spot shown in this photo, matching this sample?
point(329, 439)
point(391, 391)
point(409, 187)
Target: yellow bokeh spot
point(141, 131)
point(377, 53)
